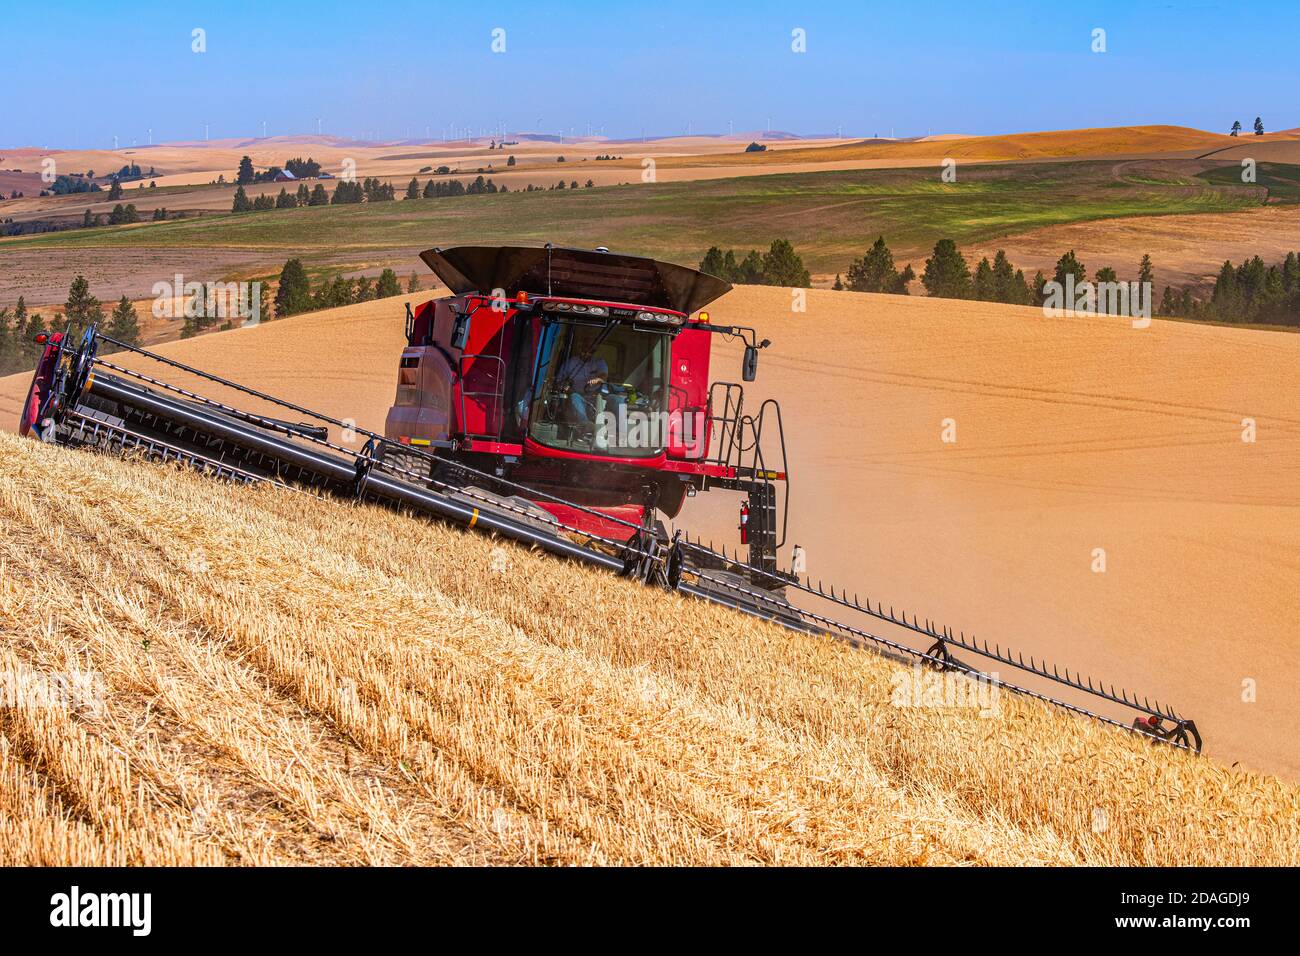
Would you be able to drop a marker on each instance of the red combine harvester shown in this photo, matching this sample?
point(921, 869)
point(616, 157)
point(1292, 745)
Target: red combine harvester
point(559, 398)
point(585, 374)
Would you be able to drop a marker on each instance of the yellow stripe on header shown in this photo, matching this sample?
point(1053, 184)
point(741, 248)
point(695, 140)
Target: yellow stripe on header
point(474, 518)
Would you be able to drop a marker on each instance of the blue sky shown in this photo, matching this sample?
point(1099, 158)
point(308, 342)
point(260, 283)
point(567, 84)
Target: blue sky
point(76, 74)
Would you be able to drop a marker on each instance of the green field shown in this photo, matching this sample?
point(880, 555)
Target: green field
point(830, 217)
point(1282, 180)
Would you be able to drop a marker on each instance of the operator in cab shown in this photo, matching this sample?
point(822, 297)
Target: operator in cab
point(582, 375)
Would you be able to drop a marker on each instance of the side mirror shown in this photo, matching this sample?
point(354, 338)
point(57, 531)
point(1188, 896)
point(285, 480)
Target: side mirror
point(749, 368)
point(460, 332)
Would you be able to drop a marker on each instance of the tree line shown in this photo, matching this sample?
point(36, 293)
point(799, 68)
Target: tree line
point(301, 168)
point(294, 294)
point(1250, 292)
point(780, 265)
point(19, 328)
point(366, 190)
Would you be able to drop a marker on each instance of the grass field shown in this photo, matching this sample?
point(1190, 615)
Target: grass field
point(831, 217)
point(287, 680)
point(1282, 180)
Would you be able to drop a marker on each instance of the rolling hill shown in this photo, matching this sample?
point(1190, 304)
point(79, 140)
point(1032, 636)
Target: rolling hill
point(1073, 435)
point(1107, 142)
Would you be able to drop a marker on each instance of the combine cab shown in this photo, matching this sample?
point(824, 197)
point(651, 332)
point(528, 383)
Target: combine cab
point(586, 375)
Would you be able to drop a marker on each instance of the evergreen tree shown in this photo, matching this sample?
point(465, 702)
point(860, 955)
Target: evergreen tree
point(510, 161)
point(87, 220)
point(82, 309)
point(365, 291)
point(413, 284)
point(319, 197)
point(730, 267)
point(387, 285)
point(430, 190)
point(839, 283)
point(712, 264)
point(115, 191)
point(294, 292)
point(1168, 303)
point(875, 271)
point(1227, 301)
point(750, 270)
point(1290, 273)
point(285, 201)
point(1069, 264)
point(1259, 126)
point(245, 176)
point(7, 343)
point(1040, 282)
point(348, 192)
point(413, 189)
point(35, 327)
point(1005, 286)
point(782, 266)
point(1145, 271)
point(1104, 275)
point(1236, 128)
point(983, 286)
point(241, 203)
point(124, 323)
point(1019, 293)
point(264, 202)
point(946, 273)
point(303, 197)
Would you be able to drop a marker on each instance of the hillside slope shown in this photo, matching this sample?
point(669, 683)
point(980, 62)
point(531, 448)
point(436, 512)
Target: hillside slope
point(290, 680)
point(1073, 435)
point(1108, 141)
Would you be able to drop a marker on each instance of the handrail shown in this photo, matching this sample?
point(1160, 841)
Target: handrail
point(498, 393)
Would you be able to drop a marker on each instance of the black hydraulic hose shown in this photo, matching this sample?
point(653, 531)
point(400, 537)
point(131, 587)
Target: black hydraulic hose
point(337, 470)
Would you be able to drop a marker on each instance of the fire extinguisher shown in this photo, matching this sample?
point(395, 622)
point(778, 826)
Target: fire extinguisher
point(744, 523)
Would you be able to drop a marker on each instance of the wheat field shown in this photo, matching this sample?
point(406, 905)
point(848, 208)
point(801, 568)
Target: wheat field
point(289, 680)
